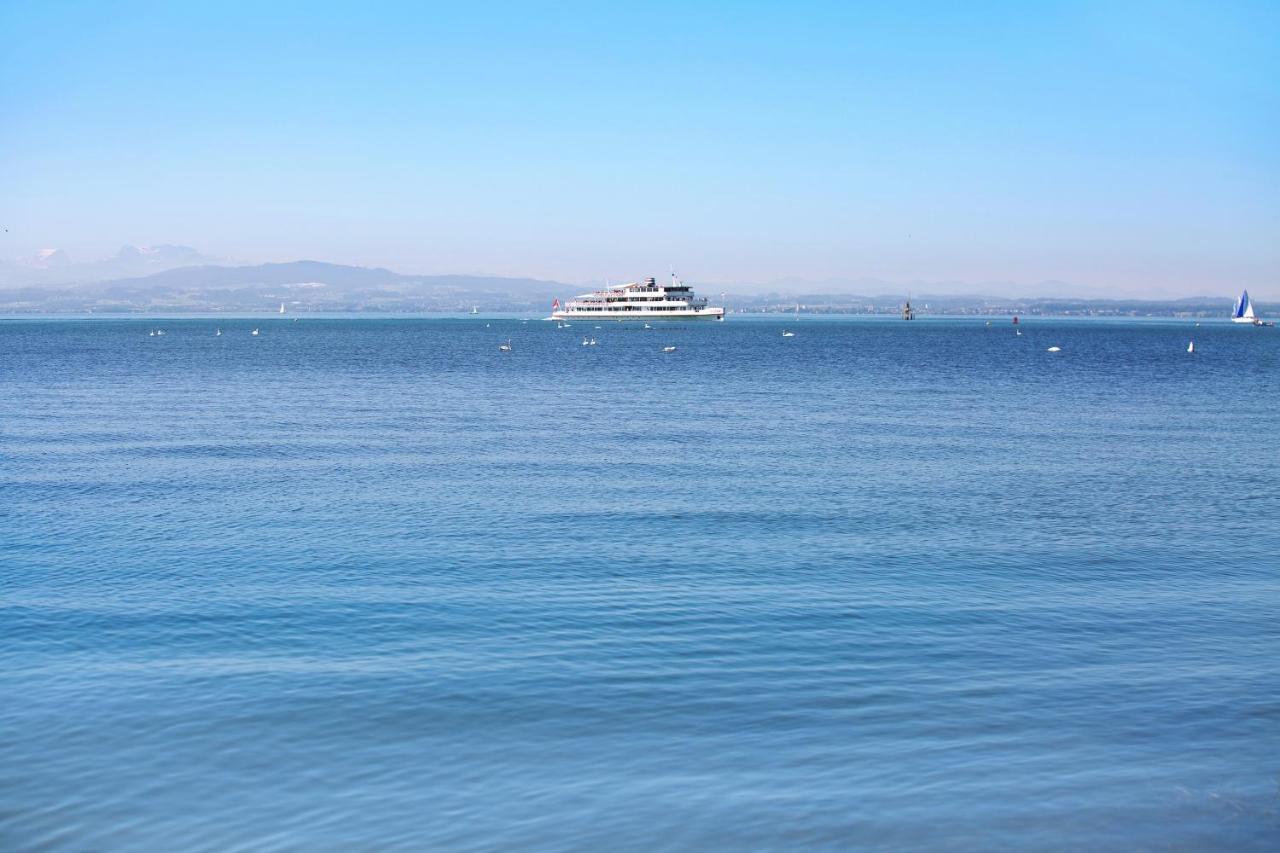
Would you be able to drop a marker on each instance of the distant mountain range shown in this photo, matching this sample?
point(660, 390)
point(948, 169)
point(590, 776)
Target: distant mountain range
point(300, 285)
point(54, 266)
point(181, 279)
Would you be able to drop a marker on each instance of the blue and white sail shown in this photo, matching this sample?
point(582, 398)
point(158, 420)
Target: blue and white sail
point(1243, 312)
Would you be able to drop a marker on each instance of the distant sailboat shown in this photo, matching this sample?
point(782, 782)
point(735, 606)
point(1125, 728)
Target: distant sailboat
point(1191, 346)
point(1243, 312)
point(281, 307)
point(1054, 349)
point(668, 349)
point(475, 309)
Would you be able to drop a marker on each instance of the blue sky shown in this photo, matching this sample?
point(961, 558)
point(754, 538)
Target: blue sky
point(1127, 146)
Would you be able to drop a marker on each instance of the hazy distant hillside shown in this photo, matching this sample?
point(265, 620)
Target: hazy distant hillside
point(315, 286)
point(335, 276)
point(302, 285)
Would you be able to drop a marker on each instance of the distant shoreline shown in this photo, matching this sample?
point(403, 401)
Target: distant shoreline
point(265, 314)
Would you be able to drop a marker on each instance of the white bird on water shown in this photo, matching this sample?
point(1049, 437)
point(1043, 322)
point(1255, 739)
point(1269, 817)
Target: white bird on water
point(254, 332)
point(668, 349)
point(1054, 349)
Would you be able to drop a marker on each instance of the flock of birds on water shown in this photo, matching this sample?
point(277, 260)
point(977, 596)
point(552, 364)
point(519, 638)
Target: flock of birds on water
point(591, 340)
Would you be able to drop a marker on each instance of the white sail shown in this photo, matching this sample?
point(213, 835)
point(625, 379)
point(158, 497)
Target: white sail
point(1243, 311)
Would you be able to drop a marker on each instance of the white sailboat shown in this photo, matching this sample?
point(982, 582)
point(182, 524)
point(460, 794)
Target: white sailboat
point(1243, 312)
point(281, 307)
point(1191, 346)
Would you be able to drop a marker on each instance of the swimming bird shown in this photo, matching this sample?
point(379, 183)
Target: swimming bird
point(254, 332)
point(668, 349)
point(1054, 349)
point(787, 334)
point(505, 347)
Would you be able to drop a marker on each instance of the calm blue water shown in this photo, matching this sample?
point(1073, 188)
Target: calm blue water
point(367, 584)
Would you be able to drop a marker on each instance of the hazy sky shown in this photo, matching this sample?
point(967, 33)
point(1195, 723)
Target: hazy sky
point(1125, 145)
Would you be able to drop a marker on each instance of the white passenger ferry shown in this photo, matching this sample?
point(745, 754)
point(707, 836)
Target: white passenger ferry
point(646, 300)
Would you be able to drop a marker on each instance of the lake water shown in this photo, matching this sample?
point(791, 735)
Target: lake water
point(374, 584)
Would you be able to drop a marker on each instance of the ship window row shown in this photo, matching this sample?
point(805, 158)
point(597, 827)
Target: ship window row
point(632, 308)
point(631, 298)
